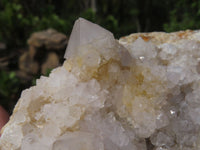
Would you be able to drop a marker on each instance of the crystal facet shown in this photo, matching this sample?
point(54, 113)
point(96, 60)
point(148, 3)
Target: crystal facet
point(85, 33)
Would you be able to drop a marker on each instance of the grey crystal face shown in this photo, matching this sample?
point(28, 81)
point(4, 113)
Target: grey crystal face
point(85, 33)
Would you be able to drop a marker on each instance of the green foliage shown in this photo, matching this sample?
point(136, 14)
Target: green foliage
point(8, 81)
point(33, 82)
point(10, 16)
point(9, 88)
point(89, 14)
point(184, 15)
point(111, 23)
point(16, 24)
point(19, 18)
point(48, 72)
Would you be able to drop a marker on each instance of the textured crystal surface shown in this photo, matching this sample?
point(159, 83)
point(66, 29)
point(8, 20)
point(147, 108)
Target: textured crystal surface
point(141, 92)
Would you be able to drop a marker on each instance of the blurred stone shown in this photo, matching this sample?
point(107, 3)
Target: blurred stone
point(24, 76)
point(51, 62)
point(32, 51)
point(45, 51)
point(2, 46)
point(48, 39)
point(27, 64)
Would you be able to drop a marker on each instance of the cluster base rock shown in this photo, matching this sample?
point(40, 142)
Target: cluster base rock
point(141, 92)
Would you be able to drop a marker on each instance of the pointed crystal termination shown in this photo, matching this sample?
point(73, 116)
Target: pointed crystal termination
point(84, 33)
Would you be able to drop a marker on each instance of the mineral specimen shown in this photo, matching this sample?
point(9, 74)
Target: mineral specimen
point(139, 93)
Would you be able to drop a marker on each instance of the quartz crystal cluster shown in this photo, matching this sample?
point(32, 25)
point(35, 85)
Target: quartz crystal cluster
point(141, 92)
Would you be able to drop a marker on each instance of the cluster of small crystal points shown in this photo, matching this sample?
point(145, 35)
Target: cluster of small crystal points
point(139, 93)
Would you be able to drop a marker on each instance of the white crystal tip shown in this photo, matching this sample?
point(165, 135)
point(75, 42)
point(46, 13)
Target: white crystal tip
point(84, 32)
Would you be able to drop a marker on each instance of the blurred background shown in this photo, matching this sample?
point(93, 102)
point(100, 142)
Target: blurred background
point(34, 33)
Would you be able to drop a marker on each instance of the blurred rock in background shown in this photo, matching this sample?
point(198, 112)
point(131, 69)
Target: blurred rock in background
point(3, 62)
point(46, 49)
point(2, 46)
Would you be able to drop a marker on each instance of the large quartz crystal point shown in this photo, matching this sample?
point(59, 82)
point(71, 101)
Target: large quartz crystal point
point(84, 33)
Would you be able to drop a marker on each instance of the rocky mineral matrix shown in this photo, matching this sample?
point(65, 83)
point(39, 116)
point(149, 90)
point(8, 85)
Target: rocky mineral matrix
point(141, 92)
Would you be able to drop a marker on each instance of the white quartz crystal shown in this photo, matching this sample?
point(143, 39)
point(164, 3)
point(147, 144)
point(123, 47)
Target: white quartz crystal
point(139, 93)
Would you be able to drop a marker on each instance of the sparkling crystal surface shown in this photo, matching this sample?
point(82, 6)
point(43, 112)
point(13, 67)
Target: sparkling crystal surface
point(141, 92)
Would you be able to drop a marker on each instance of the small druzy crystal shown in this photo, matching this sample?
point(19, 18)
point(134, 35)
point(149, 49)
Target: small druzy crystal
point(138, 93)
